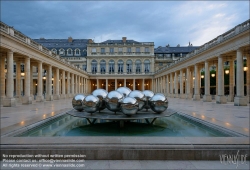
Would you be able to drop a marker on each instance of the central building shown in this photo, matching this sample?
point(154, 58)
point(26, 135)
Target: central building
point(116, 63)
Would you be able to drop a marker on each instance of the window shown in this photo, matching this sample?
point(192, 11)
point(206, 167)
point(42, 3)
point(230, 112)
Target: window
point(61, 51)
point(93, 50)
point(14, 69)
point(22, 68)
point(54, 51)
point(111, 66)
point(120, 50)
point(103, 67)
point(129, 66)
point(84, 67)
point(120, 66)
point(102, 50)
point(77, 52)
point(160, 64)
point(138, 66)
point(111, 50)
point(69, 52)
point(146, 49)
point(94, 66)
point(147, 66)
point(137, 49)
point(168, 55)
point(129, 49)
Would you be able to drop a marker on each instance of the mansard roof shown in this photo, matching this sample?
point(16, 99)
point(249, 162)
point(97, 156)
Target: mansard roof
point(186, 49)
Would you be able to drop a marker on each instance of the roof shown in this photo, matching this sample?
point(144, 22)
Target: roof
point(119, 42)
point(186, 49)
point(65, 44)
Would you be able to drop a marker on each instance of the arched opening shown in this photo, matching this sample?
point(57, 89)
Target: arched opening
point(120, 66)
point(111, 66)
point(103, 66)
point(147, 66)
point(129, 66)
point(94, 66)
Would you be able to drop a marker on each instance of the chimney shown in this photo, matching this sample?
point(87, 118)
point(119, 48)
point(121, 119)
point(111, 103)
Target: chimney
point(90, 41)
point(70, 39)
point(124, 39)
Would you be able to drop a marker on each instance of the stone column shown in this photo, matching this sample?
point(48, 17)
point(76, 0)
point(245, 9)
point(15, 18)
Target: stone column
point(39, 97)
point(68, 85)
point(97, 83)
point(240, 99)
point(181, 85)
point(84, 85)
point(216, 77)
point(72, 85)
point(63, 96)
point(197, 83)
point(76, 86)
point(176, 84)
point(207, 97)
point(189, 78)
point(2, 60)
point(231, 81)
point(221, 98)
point(167, 90)
point(124, 83)
point(133, 84)
point(31, 83)
point(248, 77)
point(27, 99)
point(56, 82)
point(171, 85)
point(18, 80)
point(49, 96)
point(143, 85)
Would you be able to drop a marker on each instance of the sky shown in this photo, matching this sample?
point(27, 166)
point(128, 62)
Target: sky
point(161, 22)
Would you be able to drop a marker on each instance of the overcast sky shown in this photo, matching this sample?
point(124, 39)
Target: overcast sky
point(161, 22)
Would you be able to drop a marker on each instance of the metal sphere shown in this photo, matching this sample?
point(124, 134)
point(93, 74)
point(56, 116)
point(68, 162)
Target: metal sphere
point(158, 103)
point(91, 103)
point(101, 94)
point(129, 106)
point(113, 101)
point(148, 94)
point(124, 90)
point(77, 102)
point(140, 97)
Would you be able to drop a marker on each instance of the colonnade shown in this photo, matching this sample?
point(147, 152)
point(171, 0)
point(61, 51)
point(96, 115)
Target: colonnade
point(51, 82)
point(186, 82)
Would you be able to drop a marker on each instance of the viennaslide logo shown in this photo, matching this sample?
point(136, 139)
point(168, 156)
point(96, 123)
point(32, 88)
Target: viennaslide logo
point(233, 159)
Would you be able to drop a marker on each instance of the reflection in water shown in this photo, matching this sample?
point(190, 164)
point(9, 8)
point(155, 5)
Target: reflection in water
point(173, 126)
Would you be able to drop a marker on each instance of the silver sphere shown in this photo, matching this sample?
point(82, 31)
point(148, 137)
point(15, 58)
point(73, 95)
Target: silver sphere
point(113, 101)
point(77, 102)
point(91, 103)
point(124, 90)
point(129, 106)
point(101, 94)
point(140, 97)
point(148, 94)
point(158, 103)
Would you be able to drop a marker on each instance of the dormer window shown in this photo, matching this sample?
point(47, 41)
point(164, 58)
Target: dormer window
point(69, 52)
point(93, 50)
point(77, 52)
point(61, 51)
point(54, 51)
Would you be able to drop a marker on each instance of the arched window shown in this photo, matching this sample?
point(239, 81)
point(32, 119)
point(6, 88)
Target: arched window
point(138, 66)
point(61, 51)
point(69, 51)
point(77, 52)
point(94, 66)
point(147, 66)
point(54, 51)
point(111, 66)
point(120, 66)
point(103, 66)
point(129, 66)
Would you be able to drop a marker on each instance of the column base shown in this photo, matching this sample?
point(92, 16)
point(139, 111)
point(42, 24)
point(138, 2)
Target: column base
point(182, 96)
point(27, 100)
point(196, 97)
point(9, 102)
point(230, 98)
point(176, 95)
point(39, 98)
point(68, 95)
point(49, 97)
point(207, 98)
point(240, 101)
point(63, 96)
point(221, 99)
point(56, 97)
point(188, 96)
